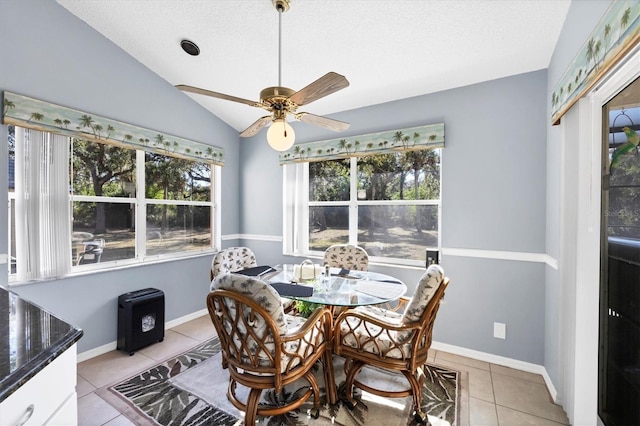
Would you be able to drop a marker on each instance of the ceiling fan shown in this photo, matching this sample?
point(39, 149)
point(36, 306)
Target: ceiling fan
point(282, 101)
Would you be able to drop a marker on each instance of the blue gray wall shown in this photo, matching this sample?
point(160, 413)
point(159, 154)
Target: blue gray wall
point(493, 198)
point(48, 53)
point(500, 180)
point(582, 18)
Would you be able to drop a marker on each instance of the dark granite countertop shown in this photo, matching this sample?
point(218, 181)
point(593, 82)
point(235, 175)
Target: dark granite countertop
point(30, 339)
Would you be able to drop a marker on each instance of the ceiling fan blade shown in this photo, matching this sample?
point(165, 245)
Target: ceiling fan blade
point(318, 120)
point(255, 127)
point(327, 84)
point(199, 91)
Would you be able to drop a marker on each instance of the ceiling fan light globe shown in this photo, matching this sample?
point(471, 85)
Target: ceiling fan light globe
point(280, 135)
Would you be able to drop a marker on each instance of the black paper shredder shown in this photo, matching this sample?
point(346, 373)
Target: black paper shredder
point(140, 319)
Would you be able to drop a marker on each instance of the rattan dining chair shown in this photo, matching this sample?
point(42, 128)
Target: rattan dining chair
point(392, 341)
point(232, 259)
point(346, 256)
point(263, 348)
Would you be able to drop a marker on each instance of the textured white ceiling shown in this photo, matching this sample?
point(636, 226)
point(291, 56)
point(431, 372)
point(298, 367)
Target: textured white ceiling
point(388, 50)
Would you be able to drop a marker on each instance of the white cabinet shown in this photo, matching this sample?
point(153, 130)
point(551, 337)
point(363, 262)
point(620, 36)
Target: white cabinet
point(48, 398)
point(67, 414)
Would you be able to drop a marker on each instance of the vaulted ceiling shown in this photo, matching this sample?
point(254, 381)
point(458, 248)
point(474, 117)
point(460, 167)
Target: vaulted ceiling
point(388, 50)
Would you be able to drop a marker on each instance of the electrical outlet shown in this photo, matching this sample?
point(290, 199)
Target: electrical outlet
point(499, 330)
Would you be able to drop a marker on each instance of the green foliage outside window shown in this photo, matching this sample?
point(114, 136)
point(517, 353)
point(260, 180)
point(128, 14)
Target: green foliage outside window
point(389, 224)
point(623, 214)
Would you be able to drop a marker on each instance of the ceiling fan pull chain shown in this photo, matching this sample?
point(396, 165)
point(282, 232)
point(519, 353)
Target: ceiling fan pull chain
point(279, 46)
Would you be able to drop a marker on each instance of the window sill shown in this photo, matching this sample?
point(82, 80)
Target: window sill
point(112, 266)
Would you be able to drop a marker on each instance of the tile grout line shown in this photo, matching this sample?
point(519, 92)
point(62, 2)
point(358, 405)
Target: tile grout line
point(532, 415)
point(512, 408)
point(493, 391)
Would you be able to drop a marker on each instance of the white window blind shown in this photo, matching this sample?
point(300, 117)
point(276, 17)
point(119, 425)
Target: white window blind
point(43, 229)
point(295, 217)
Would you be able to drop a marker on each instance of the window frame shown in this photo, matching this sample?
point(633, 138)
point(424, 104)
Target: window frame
point(353, 205)
point(140, 202)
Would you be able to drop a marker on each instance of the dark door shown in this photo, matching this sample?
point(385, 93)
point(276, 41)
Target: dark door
point(619, 334)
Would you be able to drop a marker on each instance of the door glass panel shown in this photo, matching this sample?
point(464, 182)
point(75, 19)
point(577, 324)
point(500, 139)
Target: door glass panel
point(619, 334)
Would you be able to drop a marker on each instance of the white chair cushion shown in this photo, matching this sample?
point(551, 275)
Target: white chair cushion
point(233, 259)
point(374, 339)
point(259, 291)
point(347, 256)
point(382, 313)
point(425, 290)
point(270, 300)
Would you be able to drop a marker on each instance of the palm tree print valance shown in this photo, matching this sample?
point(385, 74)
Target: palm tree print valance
point(35, 114)
point(411, 139)
point(617, 33)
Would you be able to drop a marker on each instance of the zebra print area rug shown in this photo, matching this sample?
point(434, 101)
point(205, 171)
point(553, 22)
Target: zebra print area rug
point(190, 389)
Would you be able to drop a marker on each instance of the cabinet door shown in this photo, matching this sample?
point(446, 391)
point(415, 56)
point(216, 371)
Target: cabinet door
point(43, 394)
point(67, 414)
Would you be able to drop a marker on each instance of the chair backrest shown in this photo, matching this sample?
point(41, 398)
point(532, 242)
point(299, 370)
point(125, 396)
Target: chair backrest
point(423, 307)
point(249, 318)
point(427, 287)
point(346, 256)
point(232, 259)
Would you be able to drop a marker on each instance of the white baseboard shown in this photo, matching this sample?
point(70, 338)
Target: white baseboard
point(111, 346)
point(186, 318)
point(552, 389)
point(499, 360)
point(92, 353)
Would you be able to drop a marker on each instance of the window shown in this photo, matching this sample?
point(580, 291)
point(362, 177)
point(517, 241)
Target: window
point(178, 204)
point(125, 206)
point(103, 203)
point(387, 203)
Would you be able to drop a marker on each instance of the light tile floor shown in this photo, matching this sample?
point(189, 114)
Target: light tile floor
point(497, 395)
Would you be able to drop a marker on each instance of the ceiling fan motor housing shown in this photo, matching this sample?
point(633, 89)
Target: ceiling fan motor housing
point(277, 98)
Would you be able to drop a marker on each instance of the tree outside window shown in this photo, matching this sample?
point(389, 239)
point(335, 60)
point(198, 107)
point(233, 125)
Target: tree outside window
point(107, 194)
point(387, 203)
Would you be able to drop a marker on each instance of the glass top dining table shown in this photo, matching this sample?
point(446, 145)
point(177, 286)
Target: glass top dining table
point(345, 287)
point(342, 289)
